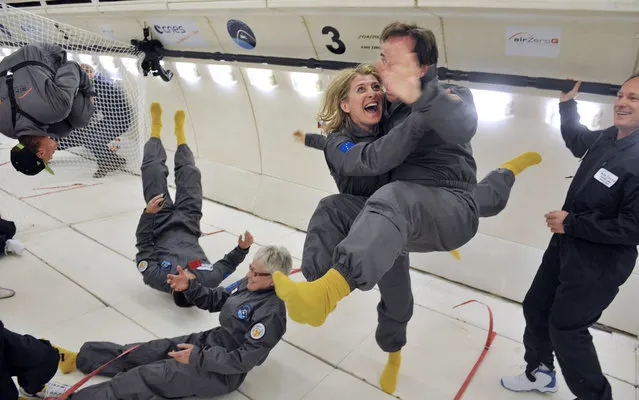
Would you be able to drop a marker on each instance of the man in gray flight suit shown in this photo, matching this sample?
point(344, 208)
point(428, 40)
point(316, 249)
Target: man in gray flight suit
point(211, 363)
point(168, 233)
point(42, 96)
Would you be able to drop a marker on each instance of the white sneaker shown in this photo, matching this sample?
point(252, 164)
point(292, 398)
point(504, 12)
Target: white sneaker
point(51, 389)
point(13, 246)
point(545, 381)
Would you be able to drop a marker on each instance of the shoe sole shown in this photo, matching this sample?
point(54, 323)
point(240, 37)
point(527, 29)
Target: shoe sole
point(542, 390)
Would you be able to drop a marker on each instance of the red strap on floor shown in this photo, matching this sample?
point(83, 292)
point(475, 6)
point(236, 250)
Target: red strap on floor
point(212, 233)
point(91, 375)
point(489, 341)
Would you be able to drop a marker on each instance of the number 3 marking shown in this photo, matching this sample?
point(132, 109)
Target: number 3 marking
point(341, 47)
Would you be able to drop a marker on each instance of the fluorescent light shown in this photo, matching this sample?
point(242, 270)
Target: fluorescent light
point(306, 83)
point(262, 79)
point(187, 71)
point(222, 74)
point(491, 105)
point(108, 63)
point(86, 59)
point(589, 113)
point(131, 65)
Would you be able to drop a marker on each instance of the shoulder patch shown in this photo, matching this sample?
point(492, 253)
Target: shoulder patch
point(244, 311)
point(142, 266)
point(232, 287)
point(346, 146)
point(258, 330)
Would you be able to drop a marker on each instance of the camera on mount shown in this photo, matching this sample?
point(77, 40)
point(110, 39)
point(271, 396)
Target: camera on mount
point(153, 53)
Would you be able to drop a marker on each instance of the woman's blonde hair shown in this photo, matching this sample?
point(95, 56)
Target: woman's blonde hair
point(331, 115)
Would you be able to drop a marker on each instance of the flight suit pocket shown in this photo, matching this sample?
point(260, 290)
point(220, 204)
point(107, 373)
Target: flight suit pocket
point(596, 258)
point(582, 260)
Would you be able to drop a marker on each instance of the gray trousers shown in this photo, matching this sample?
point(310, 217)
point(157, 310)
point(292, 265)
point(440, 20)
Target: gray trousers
point(148, 373)
point(177, 224)
point(492, 192)
point(331, 223)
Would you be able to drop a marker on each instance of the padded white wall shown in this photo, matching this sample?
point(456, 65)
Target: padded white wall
point(249, 160)
point(242, 135)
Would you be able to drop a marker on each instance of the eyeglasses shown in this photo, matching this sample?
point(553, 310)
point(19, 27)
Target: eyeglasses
point(257, 273)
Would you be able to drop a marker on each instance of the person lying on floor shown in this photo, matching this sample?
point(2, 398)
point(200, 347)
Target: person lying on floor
point(168, 233)
point(211, 363)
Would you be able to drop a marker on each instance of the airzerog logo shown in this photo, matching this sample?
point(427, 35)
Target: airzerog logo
point(529, 38)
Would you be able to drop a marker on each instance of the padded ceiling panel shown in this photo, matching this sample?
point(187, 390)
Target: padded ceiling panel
point(355, 37)
point(262, 33)
point(586, 48)
point(181, 32)
point(120, 29)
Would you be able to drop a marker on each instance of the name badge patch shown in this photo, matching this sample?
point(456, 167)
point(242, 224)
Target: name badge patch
point(205, 267)
point(606, 177)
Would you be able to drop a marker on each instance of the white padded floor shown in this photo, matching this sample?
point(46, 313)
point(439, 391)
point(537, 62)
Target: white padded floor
point(77, 282)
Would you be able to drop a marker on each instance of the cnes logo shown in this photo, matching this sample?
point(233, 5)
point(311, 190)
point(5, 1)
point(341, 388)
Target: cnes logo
point(161, 29)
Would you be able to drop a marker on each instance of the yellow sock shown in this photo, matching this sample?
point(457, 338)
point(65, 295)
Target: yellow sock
point(311, 302)
point(455, 253)
point(179, 127)
point(156, 119)
point(522, 161)
point(67, 360)
point(388, 380)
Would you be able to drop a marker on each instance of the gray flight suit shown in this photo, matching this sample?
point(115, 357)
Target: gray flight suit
point(314, 140)
point(251, 325)
point(395, 308)
point(171, 237)
point(335, 214)
point(491, 193)
point(429, 203)
point(51, 94)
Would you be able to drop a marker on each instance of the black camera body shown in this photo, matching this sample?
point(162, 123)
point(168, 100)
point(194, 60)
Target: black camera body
point(153, 53)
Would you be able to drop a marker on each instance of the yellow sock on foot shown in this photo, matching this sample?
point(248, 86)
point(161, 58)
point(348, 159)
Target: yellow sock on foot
point(311, 302)
point(456, 254)
point(156, 119)
point(388, 380)
point(522, 161)
point(67, 360)
point(179, 127)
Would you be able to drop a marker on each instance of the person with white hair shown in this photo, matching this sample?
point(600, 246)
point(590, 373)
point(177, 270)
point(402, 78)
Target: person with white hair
point(212, 363)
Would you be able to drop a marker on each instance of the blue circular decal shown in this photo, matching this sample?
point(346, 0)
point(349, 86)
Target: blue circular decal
point(241, 34)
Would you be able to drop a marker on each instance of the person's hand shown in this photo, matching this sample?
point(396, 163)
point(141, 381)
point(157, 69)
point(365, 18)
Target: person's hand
point(182, 356)
point(92, 99)
point(246, 242)
point(555, 221)
point(401, 73)
point(299, 136)
point(155, 204)
point(180, 282)
point(453, 95)
point(565, 96)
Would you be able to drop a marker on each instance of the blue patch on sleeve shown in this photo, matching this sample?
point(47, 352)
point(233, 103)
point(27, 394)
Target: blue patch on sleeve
point(232, 286)
point(346, 146)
